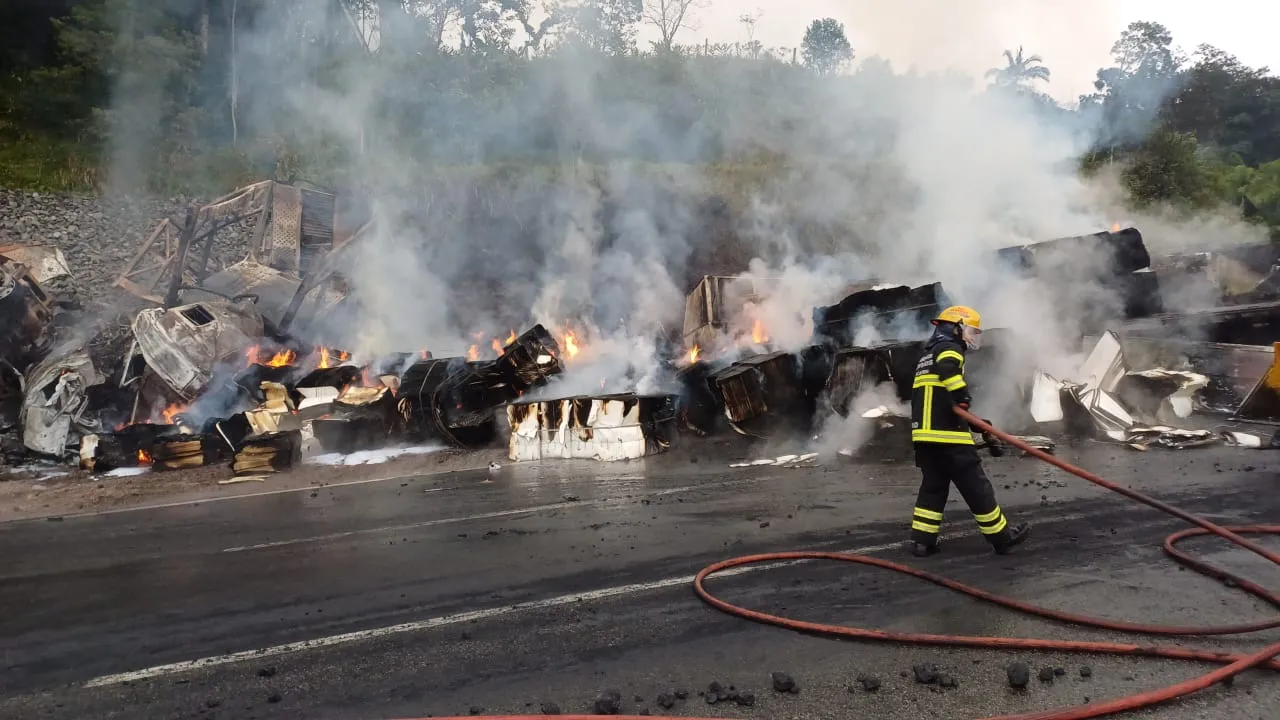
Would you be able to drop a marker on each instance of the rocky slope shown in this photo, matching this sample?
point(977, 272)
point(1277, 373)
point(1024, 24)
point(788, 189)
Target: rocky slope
point(98, 236)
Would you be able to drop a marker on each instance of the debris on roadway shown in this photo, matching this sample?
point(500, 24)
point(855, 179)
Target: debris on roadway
point(228, 363)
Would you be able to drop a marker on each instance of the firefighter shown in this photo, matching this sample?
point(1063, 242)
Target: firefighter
point(944, 448)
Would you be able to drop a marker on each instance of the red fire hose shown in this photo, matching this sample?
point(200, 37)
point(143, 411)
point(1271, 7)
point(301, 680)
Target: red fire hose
point(1231, 664)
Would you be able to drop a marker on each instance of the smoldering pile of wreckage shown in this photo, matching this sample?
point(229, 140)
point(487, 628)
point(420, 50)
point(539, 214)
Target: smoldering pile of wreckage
point(216, 372)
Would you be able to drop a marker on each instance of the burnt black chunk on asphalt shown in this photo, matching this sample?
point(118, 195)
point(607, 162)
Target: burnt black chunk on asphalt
point(745, 699)
point(1046, 674)
point(475, 710)
point(1019, 674)
point(870, 683)
point(608, 702)
point(947, 681)
point(784, 683)
point(267, 671)
point(273, 698)
point(1086, 671)
point(550, 708)
point(1059, 671)
point(926, 673)
point(666, 701)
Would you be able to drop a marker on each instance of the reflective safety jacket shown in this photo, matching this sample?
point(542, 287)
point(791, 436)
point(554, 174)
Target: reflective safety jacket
point(938, 387)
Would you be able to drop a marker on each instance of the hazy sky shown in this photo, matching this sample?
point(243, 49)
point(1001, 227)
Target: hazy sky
point(1074, 38)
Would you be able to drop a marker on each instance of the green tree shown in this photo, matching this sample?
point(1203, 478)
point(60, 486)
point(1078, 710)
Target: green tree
point(1263, 193)
point(487, 24)
point(608, 26)
point(1019, 70)
point(1228, 106)
point(1130, 93)
point(1167, 168)
point(825, 47)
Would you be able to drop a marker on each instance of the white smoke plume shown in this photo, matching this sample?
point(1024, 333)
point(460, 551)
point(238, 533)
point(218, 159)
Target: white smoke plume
point(906, 178)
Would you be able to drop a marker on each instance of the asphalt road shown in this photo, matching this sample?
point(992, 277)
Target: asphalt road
point(467, 593)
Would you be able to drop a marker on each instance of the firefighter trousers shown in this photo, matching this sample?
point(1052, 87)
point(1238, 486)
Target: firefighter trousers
point(940, 465)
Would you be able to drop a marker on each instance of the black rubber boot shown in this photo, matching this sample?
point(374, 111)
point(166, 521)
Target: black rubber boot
point(1011, 538)
point(920, 549)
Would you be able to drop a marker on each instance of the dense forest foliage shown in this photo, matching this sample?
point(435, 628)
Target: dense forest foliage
point(198, 95)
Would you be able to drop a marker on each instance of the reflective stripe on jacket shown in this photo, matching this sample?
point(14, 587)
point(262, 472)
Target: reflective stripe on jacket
point(938, 386)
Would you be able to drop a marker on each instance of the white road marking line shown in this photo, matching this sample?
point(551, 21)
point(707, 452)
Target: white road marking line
point(478, 516)
point(441, 621)
point(464, 617)
point(240, 496)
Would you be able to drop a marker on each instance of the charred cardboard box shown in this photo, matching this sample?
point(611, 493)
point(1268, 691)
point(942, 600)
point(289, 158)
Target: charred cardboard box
point(359, 418)
point(606, 428)
point(773, 394)
point(269, 453)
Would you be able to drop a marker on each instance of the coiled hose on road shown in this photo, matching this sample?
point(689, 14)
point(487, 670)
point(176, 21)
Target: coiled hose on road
point(1231, 664)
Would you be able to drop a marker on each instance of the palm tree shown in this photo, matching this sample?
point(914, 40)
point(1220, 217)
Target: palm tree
point(1020, 70)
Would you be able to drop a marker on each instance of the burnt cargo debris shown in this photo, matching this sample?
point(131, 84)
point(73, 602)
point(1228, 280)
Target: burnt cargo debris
point(1116, 262)
point(1232, 370)
point(456, 400)
point(269, 453)
point(184, 344)
point(294, 230)
point(855, 371)
point(716, 304)
point(880, 314)
point(699, 410)
point(1244, 324)
point(1236, 275)
point(606, 428)
point(772, 394)
point(26, 315)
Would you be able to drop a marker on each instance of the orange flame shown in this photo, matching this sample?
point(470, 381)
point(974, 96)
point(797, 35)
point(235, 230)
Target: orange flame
point(324, 357)
point(473, 352)
point(758, 335)
point(143, 458)
point(571, 345)
point(1115, 227)
point(499, 345)
point(171, 412)
point(282, 358)
point(694, 352)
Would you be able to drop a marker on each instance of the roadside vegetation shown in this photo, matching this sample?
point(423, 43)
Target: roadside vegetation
point(202, 99)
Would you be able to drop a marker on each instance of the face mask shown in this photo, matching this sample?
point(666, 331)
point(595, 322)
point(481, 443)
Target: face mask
point(972, 337)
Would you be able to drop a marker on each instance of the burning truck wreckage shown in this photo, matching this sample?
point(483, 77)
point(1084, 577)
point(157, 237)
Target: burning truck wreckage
point(221, 368)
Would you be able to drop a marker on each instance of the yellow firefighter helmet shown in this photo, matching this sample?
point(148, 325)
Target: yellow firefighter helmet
point(960, 315)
